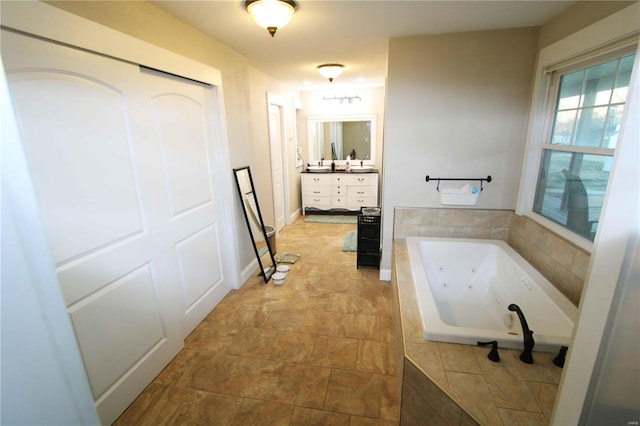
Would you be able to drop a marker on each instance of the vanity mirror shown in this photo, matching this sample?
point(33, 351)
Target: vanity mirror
point(255, 224)
point(341, 136)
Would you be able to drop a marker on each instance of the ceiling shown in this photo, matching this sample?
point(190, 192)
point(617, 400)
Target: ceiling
point(352, 32)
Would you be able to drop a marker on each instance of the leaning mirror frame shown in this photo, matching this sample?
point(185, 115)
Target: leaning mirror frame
point(254, 216)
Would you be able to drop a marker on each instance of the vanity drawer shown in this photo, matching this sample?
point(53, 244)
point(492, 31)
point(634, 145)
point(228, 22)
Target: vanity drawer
point(339, 201)
point(339, 190)
point(317, 191)
point(355, 202)
point(363, 191)
point(318, 201)
point(364, 179)
point(339, 179)
point(317, 179)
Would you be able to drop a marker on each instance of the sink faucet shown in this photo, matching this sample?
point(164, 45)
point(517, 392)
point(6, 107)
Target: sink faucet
point(526, 355)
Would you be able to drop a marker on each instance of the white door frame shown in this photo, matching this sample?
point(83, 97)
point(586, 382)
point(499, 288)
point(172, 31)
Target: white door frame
point(279, 100)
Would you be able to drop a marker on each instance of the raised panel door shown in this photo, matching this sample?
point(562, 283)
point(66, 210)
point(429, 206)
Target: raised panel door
point(130, 206)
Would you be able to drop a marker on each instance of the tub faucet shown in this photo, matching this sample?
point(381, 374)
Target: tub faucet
point(526, 355)
point(558, 361)
point(493, 354)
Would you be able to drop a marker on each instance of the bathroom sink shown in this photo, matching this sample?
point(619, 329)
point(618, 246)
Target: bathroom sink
point(361, 169)
point(318, 169)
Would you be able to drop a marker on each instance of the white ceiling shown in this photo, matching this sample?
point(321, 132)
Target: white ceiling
point(352, 32)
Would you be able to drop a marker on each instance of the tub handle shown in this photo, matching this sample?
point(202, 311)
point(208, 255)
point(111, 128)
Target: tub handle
point(493, 354)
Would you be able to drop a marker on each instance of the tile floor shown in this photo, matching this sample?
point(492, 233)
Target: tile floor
point(317, 350)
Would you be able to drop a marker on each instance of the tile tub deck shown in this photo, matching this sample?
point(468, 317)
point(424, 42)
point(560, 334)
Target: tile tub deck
point(456, 384)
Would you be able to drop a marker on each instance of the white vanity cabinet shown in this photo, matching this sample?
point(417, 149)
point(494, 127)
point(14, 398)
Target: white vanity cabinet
point(362, 190)
point(316, 191)
point(339, 191)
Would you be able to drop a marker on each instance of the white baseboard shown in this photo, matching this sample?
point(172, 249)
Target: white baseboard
point(247, 272)
point(385, 274)
point(294, 216)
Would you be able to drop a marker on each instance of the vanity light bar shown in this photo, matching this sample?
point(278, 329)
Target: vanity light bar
point(342, 99)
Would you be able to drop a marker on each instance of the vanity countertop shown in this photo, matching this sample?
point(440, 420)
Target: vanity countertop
point(339, 172)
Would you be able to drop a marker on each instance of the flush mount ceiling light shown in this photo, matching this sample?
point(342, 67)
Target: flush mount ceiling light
point(330, 71)
point(271, 14)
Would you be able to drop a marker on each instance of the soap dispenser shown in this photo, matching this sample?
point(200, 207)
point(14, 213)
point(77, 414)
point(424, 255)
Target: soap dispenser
point(347, 165)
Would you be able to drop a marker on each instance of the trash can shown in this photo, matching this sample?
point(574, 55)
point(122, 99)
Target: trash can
point(271, 238)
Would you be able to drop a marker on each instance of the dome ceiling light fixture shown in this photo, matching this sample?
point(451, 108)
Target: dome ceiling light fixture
point(271, 14)
point(330, 71)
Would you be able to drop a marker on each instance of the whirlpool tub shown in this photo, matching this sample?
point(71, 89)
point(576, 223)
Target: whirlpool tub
point(464, 287)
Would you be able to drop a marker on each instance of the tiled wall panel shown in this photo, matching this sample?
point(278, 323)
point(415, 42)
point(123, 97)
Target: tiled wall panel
point(561, 262)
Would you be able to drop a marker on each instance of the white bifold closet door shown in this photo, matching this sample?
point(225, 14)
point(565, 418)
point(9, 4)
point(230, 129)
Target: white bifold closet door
point(123, 163)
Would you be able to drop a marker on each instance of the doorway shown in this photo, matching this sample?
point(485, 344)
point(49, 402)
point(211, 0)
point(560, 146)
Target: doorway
point(277, 144)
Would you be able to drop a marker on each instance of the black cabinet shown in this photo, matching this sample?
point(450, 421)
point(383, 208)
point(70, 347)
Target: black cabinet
point(368, 241)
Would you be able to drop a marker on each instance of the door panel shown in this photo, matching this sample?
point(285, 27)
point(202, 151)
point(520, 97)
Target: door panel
point(103, 323)
point(184, 151)
point(183, 125)
point(92, 169)
point(199, 261)
point(121, 161)
point(79, 279)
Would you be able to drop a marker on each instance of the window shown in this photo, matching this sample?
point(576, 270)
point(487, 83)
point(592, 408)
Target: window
point(585, 114)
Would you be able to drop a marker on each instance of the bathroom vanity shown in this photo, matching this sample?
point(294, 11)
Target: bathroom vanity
point(339, 191)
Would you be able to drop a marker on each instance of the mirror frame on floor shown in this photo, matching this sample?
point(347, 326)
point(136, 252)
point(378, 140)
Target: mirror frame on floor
point(265, 270)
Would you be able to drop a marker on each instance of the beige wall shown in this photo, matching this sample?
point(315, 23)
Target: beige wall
point(247, 143)
point(457, 106)
point(260, 85)
point(577, 17)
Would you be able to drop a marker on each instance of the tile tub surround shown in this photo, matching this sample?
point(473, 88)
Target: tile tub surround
point(468, 388)
point(316, 350)
point(451, 223)
point(561, 262)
